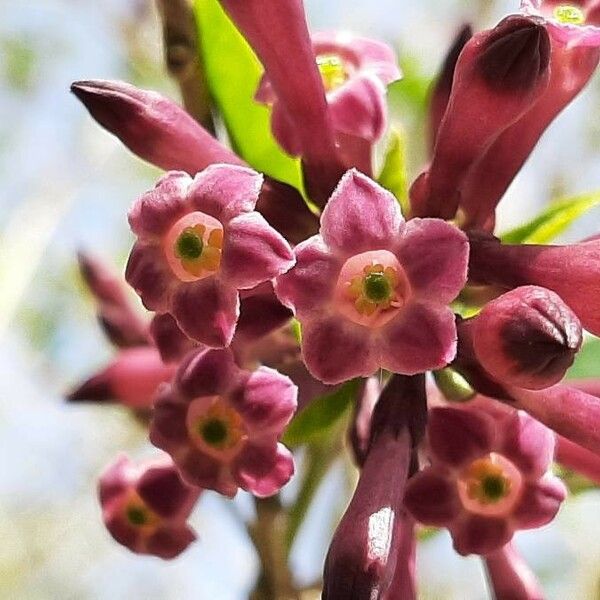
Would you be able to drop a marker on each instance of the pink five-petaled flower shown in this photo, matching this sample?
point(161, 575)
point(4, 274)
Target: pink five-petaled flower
point(371, 291)
point(199, 242)
point(222, 424)
point(488, 477)
point(145, 506)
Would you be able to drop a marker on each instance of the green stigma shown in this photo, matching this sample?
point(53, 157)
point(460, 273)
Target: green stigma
point(189, 245)
point(333, 71)
point(494, 487)
point(213, 432)
point(569, 15)
point(377, 287)
point(137, 516)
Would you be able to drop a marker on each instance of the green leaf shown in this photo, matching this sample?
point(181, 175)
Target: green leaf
point(587, 362)
point(233, 73)
point(552, 221)
point(317, 419)
point(393, 176)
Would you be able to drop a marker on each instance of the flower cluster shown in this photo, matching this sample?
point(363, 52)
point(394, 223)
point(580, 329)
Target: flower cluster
point(225, 258)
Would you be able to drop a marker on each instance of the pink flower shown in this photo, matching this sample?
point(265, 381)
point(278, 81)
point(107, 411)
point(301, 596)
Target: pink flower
point(371, 291)
point(221, 424)
point(145, 506)
point(355, 72)
point(488, 477)
point(200, 242)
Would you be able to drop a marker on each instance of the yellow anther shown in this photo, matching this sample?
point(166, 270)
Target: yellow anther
point(569, 15)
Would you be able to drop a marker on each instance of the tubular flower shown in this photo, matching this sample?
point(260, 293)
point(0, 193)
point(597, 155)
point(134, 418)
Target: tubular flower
point(488, 477)
point(199, 243)
point(355, 72)
point(221, 424)
point(371, 291)
point(145, 506)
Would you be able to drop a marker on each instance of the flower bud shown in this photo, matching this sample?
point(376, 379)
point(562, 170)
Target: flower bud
point(527, 337)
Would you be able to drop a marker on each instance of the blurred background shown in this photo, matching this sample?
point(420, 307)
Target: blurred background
point(66, 185)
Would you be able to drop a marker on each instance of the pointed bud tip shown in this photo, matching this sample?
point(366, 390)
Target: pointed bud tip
point(95, 389)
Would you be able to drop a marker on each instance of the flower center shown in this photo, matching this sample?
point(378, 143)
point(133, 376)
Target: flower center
point(333, 71)
point(137, 514)
point(215, 427)
point(569, 15)
point(193, 246)
point(490, 485)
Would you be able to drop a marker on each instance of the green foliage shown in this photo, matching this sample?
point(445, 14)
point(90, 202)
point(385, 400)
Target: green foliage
point(393, 174)
point(321, 415)
point(453, 385)
point(552, 221)
point(233, 73)
point(587, 361)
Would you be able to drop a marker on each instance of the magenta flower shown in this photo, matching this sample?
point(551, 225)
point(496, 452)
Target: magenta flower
point(488, 477)
point(221, 424)
point(199, 243)
point(145, 506)
point(371, 291)
point(355, 72)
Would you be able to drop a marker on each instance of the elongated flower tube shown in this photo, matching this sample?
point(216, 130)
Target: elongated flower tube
point(145, 506)
point(359, 434)
point(162, 133)
point(222, 424)
point(130, 379)
point(510, 577)
point(488, 477)
point(278, 33)
point(573, 272)
point(500, 73)
point(527, 337)
point(120, 322)
point(355, 72)
point(372, 291)
point(369, 545)
point(199, 243)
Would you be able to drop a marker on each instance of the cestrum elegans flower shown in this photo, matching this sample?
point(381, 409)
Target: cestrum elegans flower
point(221, 424)
point(199, 242)
point(488, 477)
point(371, 291)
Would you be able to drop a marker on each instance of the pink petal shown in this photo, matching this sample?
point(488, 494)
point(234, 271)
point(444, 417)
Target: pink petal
point(266, 403)
point(360, 216)
point(253, 252)
point(207, 311)
point(113, 481)
point(149, 275)
point(335, 350)
point(153, 214)
point(432, 498)
point(457, 437)
point(480, 535)
point(169, 542)
point(434, 255)
point(208, 373)
point(358, 108)
point(263, 469)
point(539, 503)
point(420, 338)
point(260, 314)
point(171, 342)
point(168, 430)
point(123, 532)
point(225, 191)
point(206, 472)
point(309, 285)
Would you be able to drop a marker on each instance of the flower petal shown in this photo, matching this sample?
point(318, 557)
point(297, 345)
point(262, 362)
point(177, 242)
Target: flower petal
point(207, 373)
point(253, 252)
point(225, 191)
point(360, 216)
point(263, 469)
point(171, 342)
point(204, 471)
point(434, 255)
point(420, 338)
point(169, 542)
point(207, 311)
point(539, 503)
point(480, 535)
point(335, 350)
point(432, 498)
point(168, 429)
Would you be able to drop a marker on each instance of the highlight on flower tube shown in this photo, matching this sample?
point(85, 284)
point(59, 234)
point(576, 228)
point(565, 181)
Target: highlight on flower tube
point(222, 424)
point(200, 242)
point(146, 505)
point(371, 291)
point(527, 337)
point(488, 477)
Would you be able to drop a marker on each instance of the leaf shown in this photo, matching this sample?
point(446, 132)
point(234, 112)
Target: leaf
point(233, 73)
point(587, 362)
point(317, 419)
point(552, 221)
point(393, 176)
